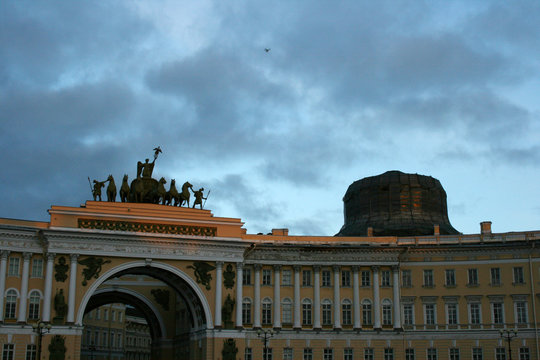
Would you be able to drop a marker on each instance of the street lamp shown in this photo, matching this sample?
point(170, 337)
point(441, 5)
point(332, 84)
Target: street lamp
point(40, 328)
point(508, 335)
point(265, 336)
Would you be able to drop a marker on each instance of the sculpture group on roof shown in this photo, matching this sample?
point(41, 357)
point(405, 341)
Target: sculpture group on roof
point(145, 189)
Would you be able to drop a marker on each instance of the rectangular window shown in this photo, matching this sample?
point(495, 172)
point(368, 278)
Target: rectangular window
point(31, 352)
point(387, 314)
point(248, 354)
point(346, 278)
point(346, 313)
point(106, 314)
point(113, 315)
point(37, 268)
point(328, 354)
point(474, 310)
point(521, 312)
point(524, 353)
point(267, 277)
point(13, 268)
point(451, 314)
point(246, 312)
point(246, 276)
point(368, 354)
point(406, 278)
point(306, 313)
point(429, 310)
point(120, 316)
point(308, 354)
point(98, 314)
point(388, 354)
point(104, 339)
point(267, 354)
point(7, 353)
point(306, 278)
point(112, 339)
point(477, 354)
point(287, 354)
point(366, 278)
point(453, 353)
point(408, 314)
point(450, 277)
point(518, 275)
point(348, 354)
point(366, 313)
point(498, 314)
point(327, 314)
point(385, 278)
point(472, 277)
point(495, 276)
point(500, 353)
point(431, 354)
point(286, 277)
point(409, 354)
point(326, 278)
point(286, 308)
point(119, 340)
point(428, 278)
point(266, 313)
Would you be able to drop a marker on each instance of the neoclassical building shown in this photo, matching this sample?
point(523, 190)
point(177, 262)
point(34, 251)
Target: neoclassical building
point(396, 282)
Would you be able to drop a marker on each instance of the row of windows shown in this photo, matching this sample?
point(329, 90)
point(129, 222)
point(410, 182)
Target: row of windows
point(10, 306)
point(97, 314)
point(477, 353)
point(472, 277)
point(93, 338)
point(14, 264)
point(8, 352)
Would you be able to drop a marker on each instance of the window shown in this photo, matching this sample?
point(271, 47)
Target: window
point(450, 277)
point(497, 312)
point(119, 340)
point(524, 353)
point(521, 312)
point(248, 354)
point(104, 339)
point(428, 278)
point(388, 354)
point(518, 275)
point(453, 353)
point(366, 278)
point(246, 311)
point(348, 354)
point(451, 314)
point(31, 352)
point(11, 304)
point(477, 353)
point(472, 277)
point(98, 314)
point(287, 354)
point(120, 316)
point(495, 276)
point(113, 315)
point(286, 277)
point(267, 277)
point(7, 353)
point(368, 354)
point(328, 354)
point(366, 312)
point(286, 311)
point(387, 312)
point(267, 311)
point(105, 314)
point(33, 305)
point(409, 354)
point(246, 276)
point(429, 314)
point(431, 354)
point(346, 312)
point(408, 314)
point(267, 354)
point(326, 276)
point(37, 268)
point(474, 313)
point(13, 269)
point(306, 312)
point(96, 338)
point(306, 278)
point(112, 339)
point(406, 278)
point(346, 278)
point(308, 354)
point(326, 312)
point(500, 353)
point(385, 278)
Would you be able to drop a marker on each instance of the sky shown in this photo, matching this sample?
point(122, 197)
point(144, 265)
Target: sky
point(349, 89)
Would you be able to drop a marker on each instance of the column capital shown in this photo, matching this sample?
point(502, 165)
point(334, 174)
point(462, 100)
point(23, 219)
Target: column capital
point(277, 267)
point(50, 256)
point(375, 268)
point(316, 268)
point(395, 268)
point(219, 263)
point(5, 254)
point(257, 267)
point(27, 256)
point(355, 268)
point(336, 268)
point(297, 268)
point(239, 265)
point(73, 257)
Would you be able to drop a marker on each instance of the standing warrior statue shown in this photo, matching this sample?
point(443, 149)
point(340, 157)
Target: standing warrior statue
point(96, 191)
point(198, 198)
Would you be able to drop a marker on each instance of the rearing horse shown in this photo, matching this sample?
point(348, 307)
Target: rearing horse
point(124, 190)
point(185, 194)
point(111, 189)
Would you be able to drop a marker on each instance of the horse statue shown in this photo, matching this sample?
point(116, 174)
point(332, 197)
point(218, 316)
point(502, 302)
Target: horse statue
point(185, 194)
point(172, 194)
point(161, 193)
point(137, 190)
point(111, 189)
point(124, 190)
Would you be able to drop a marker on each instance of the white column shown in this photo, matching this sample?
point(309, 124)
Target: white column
point(72, 288)
point(257, 300)
point(3, 270)
point(24, 287)
point(297, 324)
point(219, 285)
point(47, 294)
point(337, 299)
point(239, 295)
point(277, 297)
point(356, 298)
point(397, 305)
point(316, 297)
point(376, 299)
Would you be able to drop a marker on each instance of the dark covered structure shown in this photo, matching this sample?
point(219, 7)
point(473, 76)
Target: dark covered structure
point(396, 204)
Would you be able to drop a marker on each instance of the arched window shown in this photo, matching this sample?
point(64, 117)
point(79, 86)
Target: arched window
point(387, 312)
point(267, 311)
point(33, 305)
point(246, 311)
point(326, 312)
point(346, 312)
point(366, 312)
point(306, 312)
point(286, 311)
point(11, 304)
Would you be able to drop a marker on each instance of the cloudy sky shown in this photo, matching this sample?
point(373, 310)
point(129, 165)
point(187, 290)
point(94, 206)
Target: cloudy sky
point(348, 90)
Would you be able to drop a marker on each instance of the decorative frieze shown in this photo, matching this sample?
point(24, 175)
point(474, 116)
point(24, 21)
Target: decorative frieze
point(97, 224)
